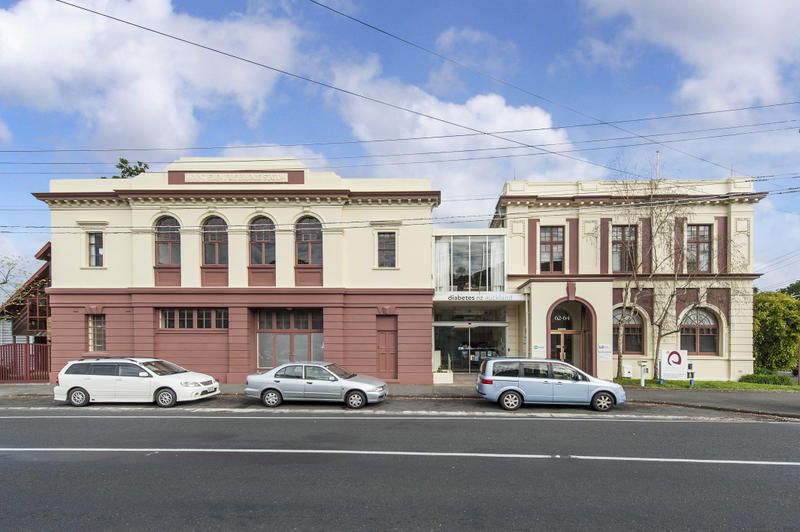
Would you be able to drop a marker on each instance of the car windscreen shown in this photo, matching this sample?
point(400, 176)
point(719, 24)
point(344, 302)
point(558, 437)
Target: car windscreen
point(340, 372)
point(162, 367)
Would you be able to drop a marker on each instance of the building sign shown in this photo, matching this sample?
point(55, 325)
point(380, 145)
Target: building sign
point(237, 177)
point(472, 297)
point(560, 319)
point(604, 352)
point(674, 364)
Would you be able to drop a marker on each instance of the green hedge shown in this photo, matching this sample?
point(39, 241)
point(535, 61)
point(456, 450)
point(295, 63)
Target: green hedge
point(767, 379)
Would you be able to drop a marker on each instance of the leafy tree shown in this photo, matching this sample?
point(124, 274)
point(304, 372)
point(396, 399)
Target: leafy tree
point(776, 330)
point(792, 290)
point(128, 170)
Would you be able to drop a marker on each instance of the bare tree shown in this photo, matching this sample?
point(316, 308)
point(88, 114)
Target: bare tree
point(653, 260)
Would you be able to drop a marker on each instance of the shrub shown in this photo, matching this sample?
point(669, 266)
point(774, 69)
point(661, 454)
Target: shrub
point(767, 379)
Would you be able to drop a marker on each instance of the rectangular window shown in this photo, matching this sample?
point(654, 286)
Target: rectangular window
point(96, 332)
point(698, 249)
point(95, 250)
point(185, 318)
point(190, 318)
point(387, 249)
point(623, 248)
point(166, 318)
point(221, 317)
point(551, 249)
point(470, 263)
point(289, 336)
point(204, 318)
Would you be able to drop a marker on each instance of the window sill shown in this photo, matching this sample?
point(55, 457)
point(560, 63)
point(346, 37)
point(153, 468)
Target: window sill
point(94, 267)
point(386, 268)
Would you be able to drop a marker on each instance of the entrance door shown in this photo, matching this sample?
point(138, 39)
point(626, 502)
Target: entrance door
point(570, 334)
point(386, 346)
point(565, 346)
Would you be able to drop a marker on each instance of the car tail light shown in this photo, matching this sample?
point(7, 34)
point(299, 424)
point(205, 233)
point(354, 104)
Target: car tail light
point(57, 383)
point(486, 381)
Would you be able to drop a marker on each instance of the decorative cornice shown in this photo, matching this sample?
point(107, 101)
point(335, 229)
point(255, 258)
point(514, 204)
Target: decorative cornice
point(239, 197)
point(592, 200)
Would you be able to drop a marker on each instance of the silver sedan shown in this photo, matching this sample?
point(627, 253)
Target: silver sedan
point(314, 381)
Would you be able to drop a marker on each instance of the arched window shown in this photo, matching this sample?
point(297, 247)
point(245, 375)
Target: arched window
point(168, 242)
point(632, 331)
point(262, 241)
point(700, 333)
point(308, 241)
point(215, 242)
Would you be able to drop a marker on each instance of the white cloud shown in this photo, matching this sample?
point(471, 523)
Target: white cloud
point(486, 112)
point(475, 49)
point(739, 51)
point(591, 52)
point(130, 86)
point(5, 133)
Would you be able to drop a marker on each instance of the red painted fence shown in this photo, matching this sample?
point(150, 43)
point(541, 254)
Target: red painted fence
point(24, 362)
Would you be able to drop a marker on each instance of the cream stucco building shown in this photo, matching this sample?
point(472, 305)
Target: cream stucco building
point(679, 253)
point(233, 265)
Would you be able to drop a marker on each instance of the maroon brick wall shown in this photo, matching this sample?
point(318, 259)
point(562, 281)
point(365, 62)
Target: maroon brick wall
point(349, 318)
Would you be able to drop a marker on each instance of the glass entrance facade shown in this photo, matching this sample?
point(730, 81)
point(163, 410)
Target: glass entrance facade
point(463, 337)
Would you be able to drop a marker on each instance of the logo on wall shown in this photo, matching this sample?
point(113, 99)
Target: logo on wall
point(674, 364)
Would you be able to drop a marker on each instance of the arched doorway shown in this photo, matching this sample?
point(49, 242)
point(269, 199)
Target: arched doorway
point(570, 334)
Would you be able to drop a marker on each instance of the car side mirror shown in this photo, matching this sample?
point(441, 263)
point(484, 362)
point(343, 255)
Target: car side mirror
point(332, 379)
point(144, 374)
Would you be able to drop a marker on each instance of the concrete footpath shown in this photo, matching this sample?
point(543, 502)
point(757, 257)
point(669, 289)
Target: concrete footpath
point(783, 404)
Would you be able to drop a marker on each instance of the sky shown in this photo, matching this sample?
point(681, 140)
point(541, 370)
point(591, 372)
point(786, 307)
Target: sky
point(72, 80)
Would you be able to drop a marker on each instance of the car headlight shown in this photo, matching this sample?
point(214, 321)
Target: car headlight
point(191, 384)
point(377, 388)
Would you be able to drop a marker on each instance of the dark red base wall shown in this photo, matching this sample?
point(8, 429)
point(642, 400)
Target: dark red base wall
point(349, 320)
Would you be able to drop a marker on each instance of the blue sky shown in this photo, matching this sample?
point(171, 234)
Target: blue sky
point(72, 80)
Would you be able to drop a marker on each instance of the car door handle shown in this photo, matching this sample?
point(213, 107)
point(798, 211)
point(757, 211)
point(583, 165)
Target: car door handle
point(309, 382)
point(558, 383)
point(276, 380)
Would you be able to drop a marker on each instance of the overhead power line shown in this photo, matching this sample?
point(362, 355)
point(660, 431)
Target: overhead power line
point(501, 81)
point(417, 162)
point(389, 139)
point(464, 150)
point(342, 90)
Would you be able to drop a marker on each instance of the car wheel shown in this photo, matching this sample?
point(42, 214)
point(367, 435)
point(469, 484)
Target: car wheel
point(166, 398)
point(78, 397)
point(271, 398)
point(355, 399)
point(602, 401)
point(511, 400)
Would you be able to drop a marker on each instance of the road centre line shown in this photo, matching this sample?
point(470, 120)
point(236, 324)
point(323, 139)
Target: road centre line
point(550, 417)
point(396, 453)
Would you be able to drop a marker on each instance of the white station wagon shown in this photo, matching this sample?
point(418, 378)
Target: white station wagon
point(131, 380)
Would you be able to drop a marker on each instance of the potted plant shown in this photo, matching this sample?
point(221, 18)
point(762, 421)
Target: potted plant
point(442, 376)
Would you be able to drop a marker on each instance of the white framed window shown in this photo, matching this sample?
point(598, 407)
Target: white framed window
point(96, 332)
point(96, 249)
point(386, 249)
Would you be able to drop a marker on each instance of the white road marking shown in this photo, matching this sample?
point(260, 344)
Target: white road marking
point(395, 453)
point(427, 416)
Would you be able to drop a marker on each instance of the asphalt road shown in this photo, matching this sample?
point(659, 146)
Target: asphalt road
point(455, 467)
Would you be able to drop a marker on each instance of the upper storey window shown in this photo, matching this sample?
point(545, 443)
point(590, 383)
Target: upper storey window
point(698, 249)
point(168, 242)
point(308, 241)
point(215, 242)
point(470, 263)
point(623, 248)
point(262, 242)
point(95, 250)
point(551, 249)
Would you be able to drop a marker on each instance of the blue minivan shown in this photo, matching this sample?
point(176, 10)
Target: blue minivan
point(511, 382)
